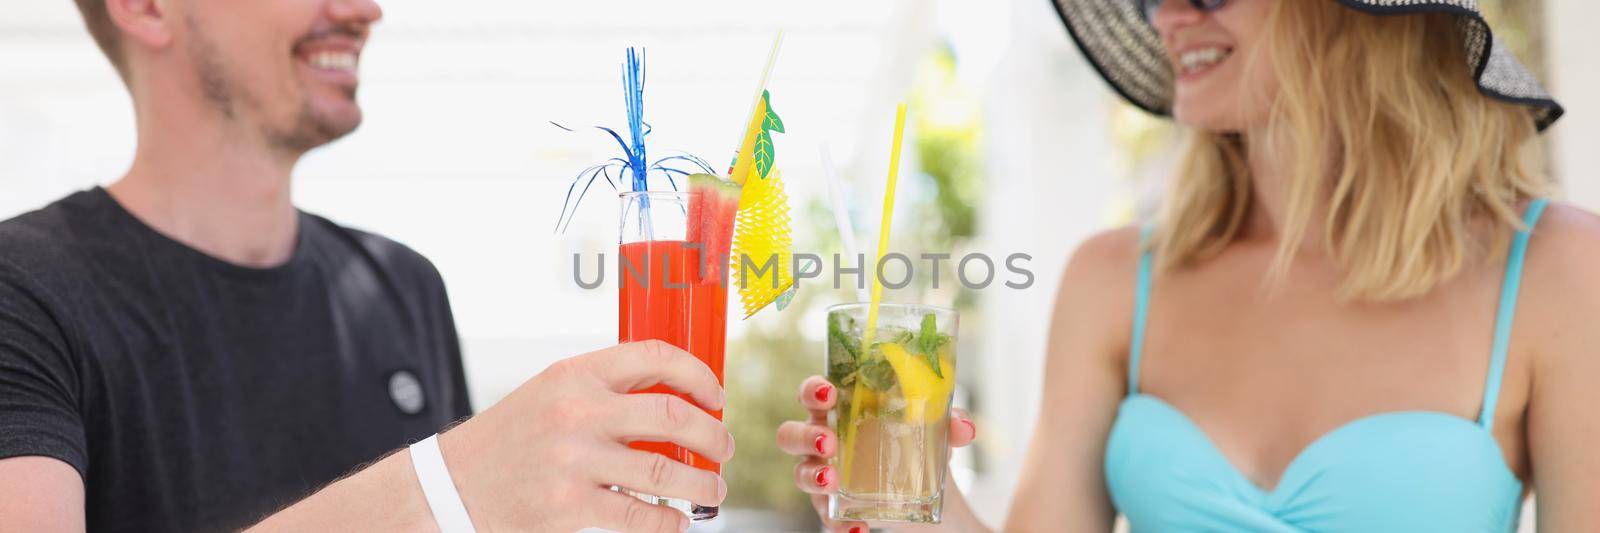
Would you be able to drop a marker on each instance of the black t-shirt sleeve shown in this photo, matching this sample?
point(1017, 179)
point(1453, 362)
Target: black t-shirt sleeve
point(39, 388)
point(460, 403)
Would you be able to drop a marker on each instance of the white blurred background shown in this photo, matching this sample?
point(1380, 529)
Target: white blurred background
point(458, 159)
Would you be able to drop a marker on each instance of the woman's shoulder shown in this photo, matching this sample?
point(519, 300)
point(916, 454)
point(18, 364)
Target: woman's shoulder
point(1105, 257)
point(1095, 299)
point(1565, 248)
point(1560, 295)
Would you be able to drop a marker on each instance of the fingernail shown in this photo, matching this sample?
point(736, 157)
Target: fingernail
point(818, 444)
point(822, 476)
point(823, 392)
point(855, 529)
point(971, 427)
point(730, 446)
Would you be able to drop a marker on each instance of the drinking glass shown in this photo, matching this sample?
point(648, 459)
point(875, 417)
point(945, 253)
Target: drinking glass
point(673, 288)
point(893, 413)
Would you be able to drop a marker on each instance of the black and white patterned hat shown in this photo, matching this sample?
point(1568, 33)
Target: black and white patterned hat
point(1125, 49)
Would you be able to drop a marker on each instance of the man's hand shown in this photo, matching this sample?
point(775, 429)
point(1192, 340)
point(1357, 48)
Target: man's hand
point(543, 458)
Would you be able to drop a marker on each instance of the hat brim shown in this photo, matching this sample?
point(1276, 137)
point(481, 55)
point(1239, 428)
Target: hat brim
point(1122, 47)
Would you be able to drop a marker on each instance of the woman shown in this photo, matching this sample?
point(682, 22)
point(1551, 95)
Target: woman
point(1317, 332)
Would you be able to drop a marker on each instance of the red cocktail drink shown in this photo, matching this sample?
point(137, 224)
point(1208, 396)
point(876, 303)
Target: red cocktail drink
point(673, 260)
point(663, 299)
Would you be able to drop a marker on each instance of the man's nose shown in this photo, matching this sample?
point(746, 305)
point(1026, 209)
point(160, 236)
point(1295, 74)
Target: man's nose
point(363, 12)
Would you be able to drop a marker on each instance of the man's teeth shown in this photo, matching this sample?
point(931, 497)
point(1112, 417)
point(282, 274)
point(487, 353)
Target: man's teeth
point(334, 61)
point(1200, 58)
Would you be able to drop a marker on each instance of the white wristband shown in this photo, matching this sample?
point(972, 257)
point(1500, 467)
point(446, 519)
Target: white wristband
point(440, 491)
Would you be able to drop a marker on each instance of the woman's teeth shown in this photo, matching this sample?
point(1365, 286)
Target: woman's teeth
point(1201, 58)
point(342, 61)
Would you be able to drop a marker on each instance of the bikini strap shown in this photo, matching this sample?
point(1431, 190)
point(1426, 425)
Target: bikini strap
point(1141, 307)
point(1507, 312)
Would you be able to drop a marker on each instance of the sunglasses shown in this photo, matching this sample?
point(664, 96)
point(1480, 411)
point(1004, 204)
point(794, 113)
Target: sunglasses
point(1149, 7)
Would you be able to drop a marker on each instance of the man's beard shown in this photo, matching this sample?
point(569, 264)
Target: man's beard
point(308, 129)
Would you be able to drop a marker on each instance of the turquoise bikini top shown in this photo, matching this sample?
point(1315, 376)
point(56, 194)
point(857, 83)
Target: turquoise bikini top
point(1395, 471)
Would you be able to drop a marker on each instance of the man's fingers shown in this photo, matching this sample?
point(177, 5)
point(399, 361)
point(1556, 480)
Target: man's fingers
point(656, 474)
point(668, 418)
point(814, 476)
point(807, 440)
point(817, 395)
point(637, 365)
point(620, 512)
point(962, 429)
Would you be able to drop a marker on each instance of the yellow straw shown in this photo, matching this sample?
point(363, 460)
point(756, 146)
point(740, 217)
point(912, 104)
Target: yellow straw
point(847, 434)
point(883, 229)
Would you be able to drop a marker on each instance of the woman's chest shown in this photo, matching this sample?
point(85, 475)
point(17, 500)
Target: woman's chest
point(1267, 370)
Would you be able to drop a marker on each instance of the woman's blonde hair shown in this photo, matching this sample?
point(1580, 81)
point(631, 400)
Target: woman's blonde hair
point(1383, 124)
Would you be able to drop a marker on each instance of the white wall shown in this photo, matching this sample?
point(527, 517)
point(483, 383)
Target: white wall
point(1575, 81)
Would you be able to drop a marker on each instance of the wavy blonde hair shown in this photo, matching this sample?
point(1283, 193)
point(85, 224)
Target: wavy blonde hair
point(1383, 125)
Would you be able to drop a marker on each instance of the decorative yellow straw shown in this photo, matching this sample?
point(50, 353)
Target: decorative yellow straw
point(747, 136)
point(883, 230)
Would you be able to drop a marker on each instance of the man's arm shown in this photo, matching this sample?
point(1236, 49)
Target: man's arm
point(41, 433)
point(543, 458)
point(40, 494)
point(382, 497)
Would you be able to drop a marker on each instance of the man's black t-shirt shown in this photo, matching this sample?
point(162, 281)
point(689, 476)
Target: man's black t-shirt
point(193, 394)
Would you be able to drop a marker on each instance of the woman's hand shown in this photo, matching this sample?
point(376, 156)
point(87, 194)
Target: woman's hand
point(543, 457)
point(814, 444)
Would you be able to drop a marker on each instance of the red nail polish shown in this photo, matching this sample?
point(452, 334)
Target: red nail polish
point(822, 477)
point(823, 392)
point(855, 529)
point(821, 440)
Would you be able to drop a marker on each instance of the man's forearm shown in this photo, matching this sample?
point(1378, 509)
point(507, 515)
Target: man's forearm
point(382, 497)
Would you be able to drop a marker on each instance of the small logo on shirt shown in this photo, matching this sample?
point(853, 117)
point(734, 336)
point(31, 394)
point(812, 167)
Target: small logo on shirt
point(406, 391)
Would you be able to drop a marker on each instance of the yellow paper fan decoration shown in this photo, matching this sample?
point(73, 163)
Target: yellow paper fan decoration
point(762, 239)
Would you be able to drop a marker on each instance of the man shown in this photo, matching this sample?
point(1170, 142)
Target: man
point(184, 350)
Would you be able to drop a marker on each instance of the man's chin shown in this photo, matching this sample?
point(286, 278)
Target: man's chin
point(315, 129)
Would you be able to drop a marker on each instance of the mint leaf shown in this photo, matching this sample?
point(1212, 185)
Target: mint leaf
point(929, 341)
point(839, 332)
point(877, 374)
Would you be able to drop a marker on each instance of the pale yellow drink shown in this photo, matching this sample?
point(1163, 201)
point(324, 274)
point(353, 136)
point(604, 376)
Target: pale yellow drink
point(893, 413)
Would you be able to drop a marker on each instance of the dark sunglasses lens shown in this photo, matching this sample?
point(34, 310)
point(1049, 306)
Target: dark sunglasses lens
point(1149, 7)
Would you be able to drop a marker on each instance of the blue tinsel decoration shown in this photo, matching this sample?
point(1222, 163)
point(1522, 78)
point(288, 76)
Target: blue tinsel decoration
point(634, 168)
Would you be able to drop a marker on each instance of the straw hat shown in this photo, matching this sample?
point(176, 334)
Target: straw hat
point(1126, 51)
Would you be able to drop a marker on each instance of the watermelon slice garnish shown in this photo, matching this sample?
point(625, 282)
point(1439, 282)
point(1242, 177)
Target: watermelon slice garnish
point(713, 203)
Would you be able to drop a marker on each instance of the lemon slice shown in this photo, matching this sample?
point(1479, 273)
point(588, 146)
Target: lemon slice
point(927, 394)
